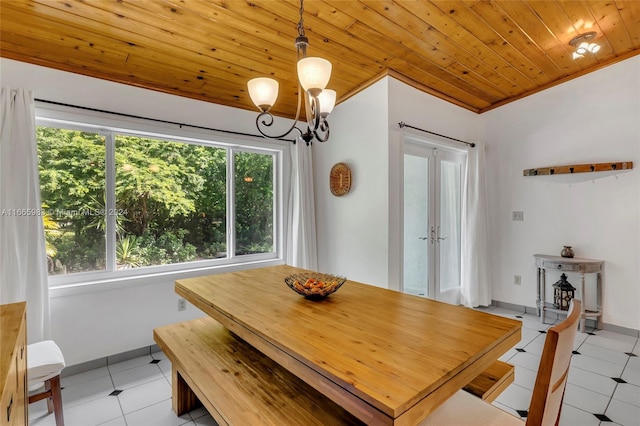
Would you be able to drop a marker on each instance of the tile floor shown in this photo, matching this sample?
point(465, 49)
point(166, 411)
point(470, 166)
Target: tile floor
point(603, 387)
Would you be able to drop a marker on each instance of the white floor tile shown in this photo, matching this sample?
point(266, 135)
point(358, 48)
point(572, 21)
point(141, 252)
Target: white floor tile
point(611, 340)
point(525, 377)
point(131, 363)
point(507, 409)
point(87, 391)
point(631, 375)
point(508, 355)
point(634, 362)
point(585, 399)
point(198, 412)
point(137, 376)
point(532, 322)
point(156, 415)
point(115, 422)
point(581, 337)
point(205, 421)
point(592, 381)
point(610, 355)
point(572, 416)
point(526, 360)
point(536, 345)
point(40, 417)
point(138, 397)
point(515, 397)
point(623, 413)
point(93, 412)
point(598, 366)
point(165, 367)
point(158, 355)
point(628, 393)
point(86, 376)
point(528, 335)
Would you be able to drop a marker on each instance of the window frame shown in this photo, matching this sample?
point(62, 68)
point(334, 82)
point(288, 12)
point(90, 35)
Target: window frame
point(109, 125)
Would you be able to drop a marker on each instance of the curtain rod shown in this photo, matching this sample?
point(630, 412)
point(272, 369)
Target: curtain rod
point(403, 124)
point(181, 125)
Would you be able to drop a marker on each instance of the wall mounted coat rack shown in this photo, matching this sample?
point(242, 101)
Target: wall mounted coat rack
point(578, 168)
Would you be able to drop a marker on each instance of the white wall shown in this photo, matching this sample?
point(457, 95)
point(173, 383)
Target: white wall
point(592, 119)
point(353, 229)
point(90, 324)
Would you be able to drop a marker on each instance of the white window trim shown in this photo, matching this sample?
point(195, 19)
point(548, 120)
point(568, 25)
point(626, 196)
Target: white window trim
point(78, 283)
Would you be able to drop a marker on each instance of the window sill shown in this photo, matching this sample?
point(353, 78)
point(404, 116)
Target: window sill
point(93, 286)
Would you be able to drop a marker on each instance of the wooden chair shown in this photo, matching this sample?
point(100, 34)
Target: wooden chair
point(44, 365)
point(548, 391)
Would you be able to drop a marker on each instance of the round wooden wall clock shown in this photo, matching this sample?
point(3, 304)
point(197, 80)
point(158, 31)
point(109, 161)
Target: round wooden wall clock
point(340, 179)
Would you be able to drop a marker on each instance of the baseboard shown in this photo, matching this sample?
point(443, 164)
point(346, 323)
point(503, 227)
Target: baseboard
point(109, 360)
point(590, 322)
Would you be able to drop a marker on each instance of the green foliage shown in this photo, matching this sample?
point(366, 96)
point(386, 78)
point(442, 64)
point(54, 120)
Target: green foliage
point(254, 187)
point(171, 200)
point(128, 253)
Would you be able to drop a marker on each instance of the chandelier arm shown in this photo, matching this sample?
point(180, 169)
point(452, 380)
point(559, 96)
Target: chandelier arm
point(267, 122)
point(312, 109)
point(269, 116)
point(322, 133)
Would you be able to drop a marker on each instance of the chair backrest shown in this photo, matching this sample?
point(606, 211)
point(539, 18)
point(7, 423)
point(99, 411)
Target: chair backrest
point(548, 392)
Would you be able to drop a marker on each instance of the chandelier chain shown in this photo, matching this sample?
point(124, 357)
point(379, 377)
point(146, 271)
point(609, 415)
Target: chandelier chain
point(301, 22)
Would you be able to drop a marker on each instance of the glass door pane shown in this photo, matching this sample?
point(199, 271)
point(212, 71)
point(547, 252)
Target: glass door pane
point(416, 225)
point(448, 232)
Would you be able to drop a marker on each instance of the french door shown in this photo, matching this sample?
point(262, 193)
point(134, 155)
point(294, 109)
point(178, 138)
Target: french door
point(433, 182)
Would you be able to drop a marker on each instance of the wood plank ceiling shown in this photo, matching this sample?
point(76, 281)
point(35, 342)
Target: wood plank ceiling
point(476, 54)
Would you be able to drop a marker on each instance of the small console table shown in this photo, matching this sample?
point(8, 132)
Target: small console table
point(566, 264)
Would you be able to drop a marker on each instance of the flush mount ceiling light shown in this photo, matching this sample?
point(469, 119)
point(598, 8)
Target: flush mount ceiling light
point(583, 44)
point(313, 76)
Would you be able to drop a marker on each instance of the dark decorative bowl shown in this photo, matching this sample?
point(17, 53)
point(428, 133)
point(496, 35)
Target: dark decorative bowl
point(314, 285)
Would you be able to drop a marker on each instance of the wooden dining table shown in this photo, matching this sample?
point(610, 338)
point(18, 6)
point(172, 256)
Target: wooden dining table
point(386, 357)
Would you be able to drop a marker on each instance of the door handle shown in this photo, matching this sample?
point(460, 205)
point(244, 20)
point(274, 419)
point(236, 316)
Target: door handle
point(423, 238)
point(439, 237)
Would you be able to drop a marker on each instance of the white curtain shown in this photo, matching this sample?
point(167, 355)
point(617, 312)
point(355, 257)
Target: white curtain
point(475, 271)
point(23, 261)
point(301, 232)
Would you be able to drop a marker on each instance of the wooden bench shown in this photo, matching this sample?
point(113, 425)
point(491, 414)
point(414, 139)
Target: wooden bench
point(492, 381)
point(237, 384)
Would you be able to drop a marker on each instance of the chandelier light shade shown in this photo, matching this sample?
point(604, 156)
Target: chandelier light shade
point(263, 92)
point(313, 76)
point(583, 44)
point(327, 102)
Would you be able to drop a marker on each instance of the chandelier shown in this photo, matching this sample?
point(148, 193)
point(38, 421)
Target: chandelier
point(313, 76)
point(583, 44)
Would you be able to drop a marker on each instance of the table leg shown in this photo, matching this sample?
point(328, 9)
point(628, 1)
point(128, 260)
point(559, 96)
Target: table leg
point(583, 318)
point(538, 291)
point(183, 398)
point(541, 291)
point(599, 319)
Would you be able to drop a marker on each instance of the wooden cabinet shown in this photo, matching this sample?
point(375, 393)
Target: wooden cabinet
point(13, 364)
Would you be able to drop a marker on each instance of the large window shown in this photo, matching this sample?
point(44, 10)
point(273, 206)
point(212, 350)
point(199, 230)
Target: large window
point(117, 202)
